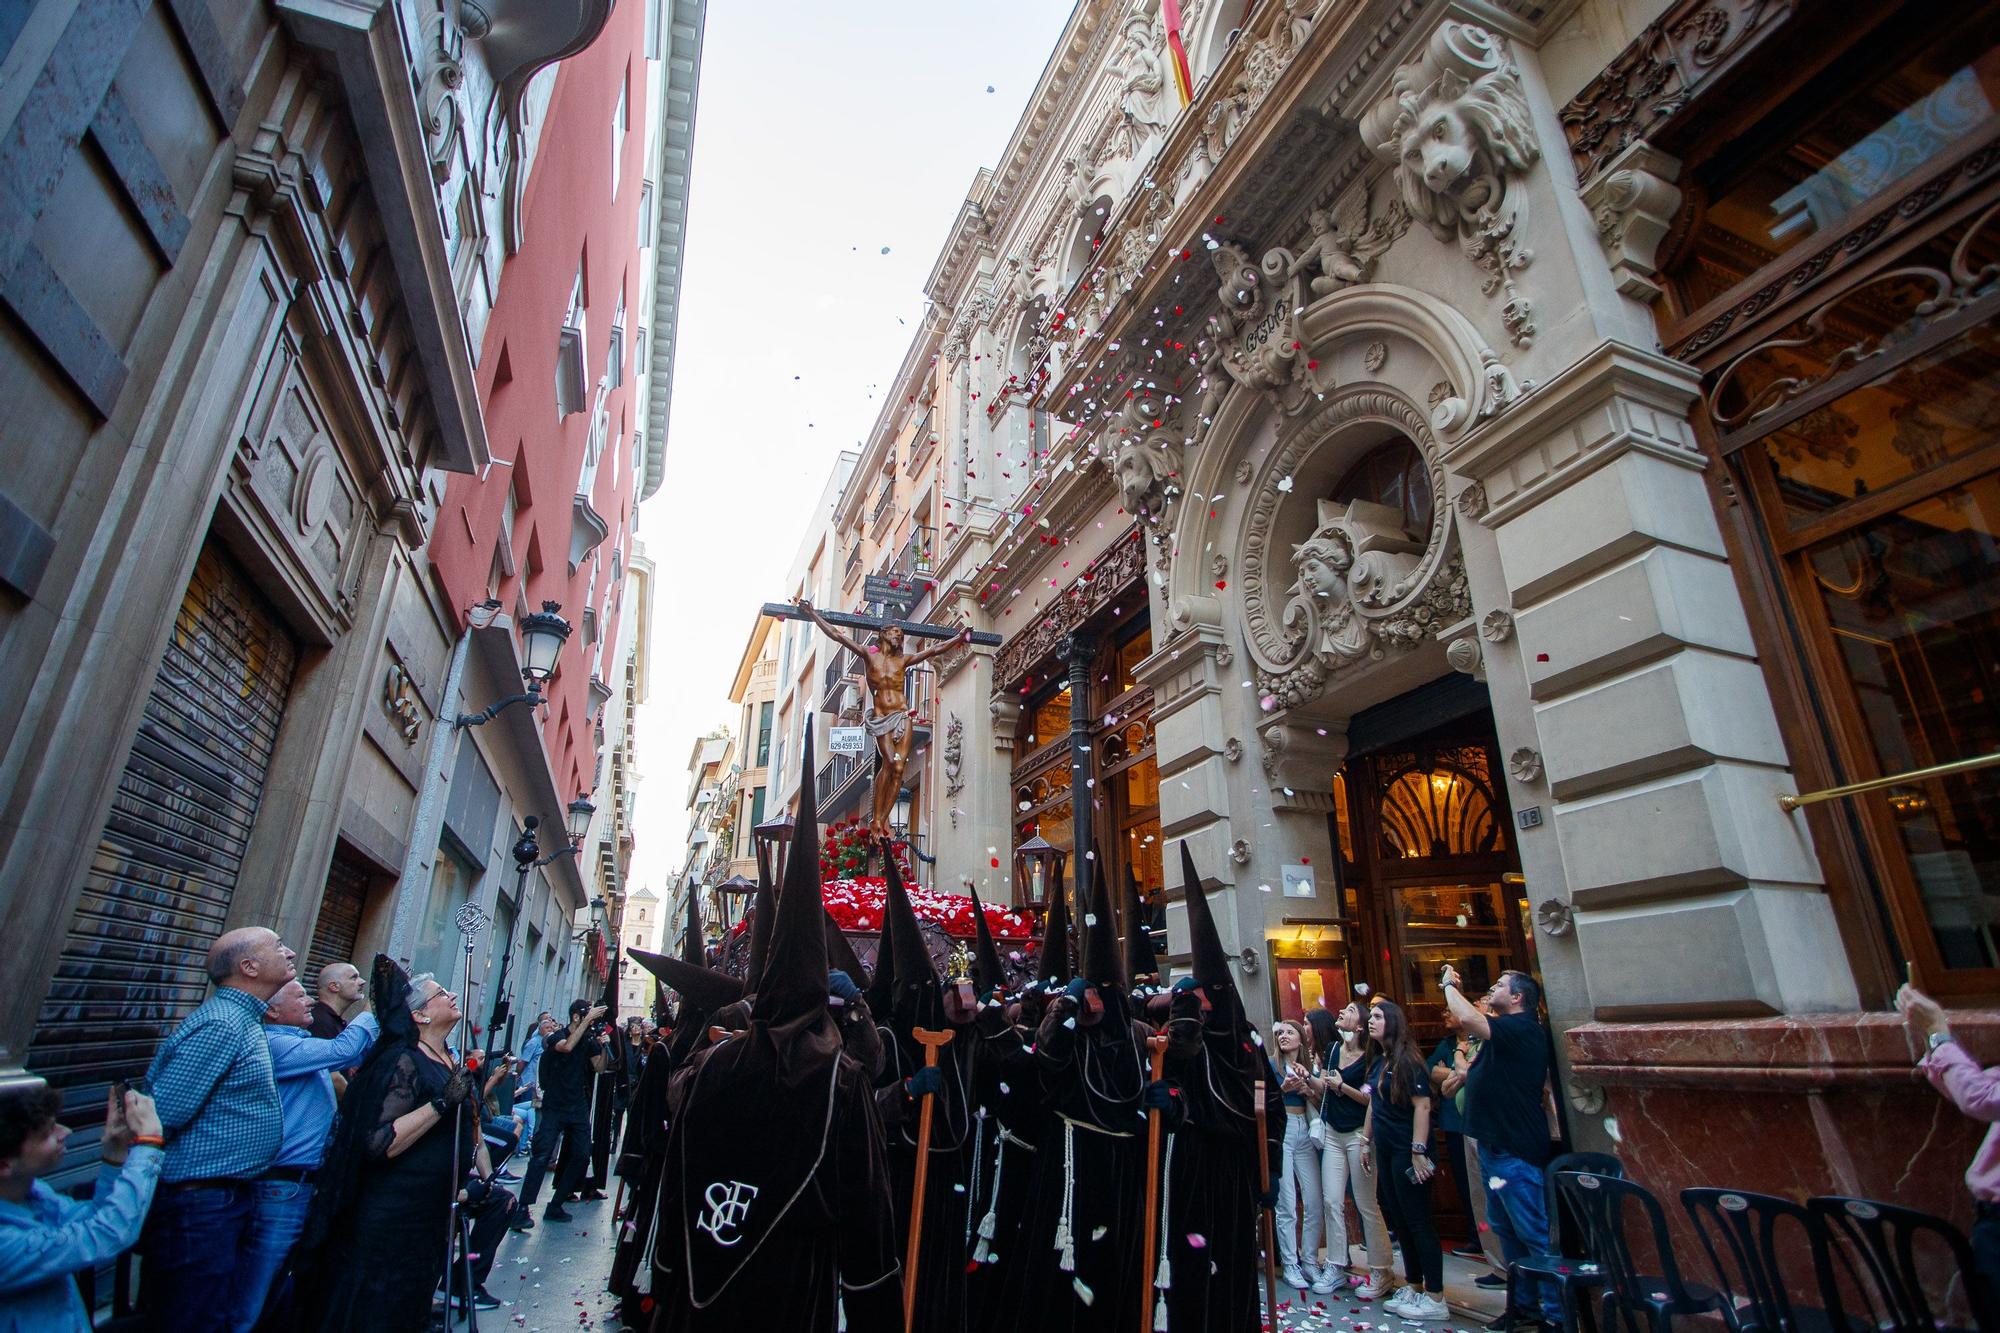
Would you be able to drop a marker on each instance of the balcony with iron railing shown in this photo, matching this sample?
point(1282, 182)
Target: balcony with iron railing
point(839, 778)
point(853, 565)
point(878, 516)
point(843, 667)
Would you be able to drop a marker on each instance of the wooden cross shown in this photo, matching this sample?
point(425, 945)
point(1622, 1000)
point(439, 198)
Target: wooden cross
point(915, 629)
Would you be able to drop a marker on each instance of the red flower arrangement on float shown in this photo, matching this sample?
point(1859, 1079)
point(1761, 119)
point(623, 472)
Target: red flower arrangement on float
point(858, 904)
point(846, 845)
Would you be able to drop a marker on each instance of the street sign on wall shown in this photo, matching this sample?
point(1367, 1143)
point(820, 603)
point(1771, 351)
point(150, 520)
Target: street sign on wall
point(897, 590)
point(847, 740)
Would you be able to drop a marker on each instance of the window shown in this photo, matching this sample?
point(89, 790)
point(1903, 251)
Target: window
point(620, 122)
point(646, 216)
point(757, 803)
point(614, 359)
point(764, 734)
point(572, 356)
point(653, 26)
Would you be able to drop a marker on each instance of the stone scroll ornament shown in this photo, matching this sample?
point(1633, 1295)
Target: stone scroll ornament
point(1455, 126)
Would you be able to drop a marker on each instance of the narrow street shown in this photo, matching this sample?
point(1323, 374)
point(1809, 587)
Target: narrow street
point(553, 1277)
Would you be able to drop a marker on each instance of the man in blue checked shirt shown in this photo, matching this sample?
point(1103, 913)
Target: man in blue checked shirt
point(45, 1237)
point(301, 1063)
point(219, 1103)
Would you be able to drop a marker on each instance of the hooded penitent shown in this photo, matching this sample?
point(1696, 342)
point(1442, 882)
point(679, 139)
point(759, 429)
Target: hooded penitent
point(1079, 1225)
point(702, 992)
point(1056, 966)
point(1142, 964)
point(1210, 1188)
point(917, 1001)
point(776, 1195)
point(989, 974)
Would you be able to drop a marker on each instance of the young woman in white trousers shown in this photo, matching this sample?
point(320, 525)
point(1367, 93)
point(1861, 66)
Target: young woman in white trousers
point(1343, 1088)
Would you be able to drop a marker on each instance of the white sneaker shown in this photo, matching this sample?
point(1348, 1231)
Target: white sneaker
point(1423, 1305)
point(1379, 1283)
point(1396, 1303)
point(1329, 1281)
point(1294, 1278)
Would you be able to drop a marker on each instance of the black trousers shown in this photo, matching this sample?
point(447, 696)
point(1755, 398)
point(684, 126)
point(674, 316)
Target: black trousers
point(569, 1131)
point(1407, 1206)
point(490, 1217)
point(1986, 1250)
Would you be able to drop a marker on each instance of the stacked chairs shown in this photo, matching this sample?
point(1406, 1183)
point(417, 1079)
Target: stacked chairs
point(1867, 1261)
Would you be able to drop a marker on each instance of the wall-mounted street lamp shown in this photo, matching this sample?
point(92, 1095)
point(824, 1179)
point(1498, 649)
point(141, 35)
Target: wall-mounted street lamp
point(580, 811)
point(527, 854)
point(1038, 869)
point(774, 840)
point(543, 634)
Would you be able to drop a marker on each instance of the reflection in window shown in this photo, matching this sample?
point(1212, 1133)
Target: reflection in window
point(1869, 133)
point(1913, 602)
point(1392, 475)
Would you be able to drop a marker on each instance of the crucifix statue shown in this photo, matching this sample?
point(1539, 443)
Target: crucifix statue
point(888, 719)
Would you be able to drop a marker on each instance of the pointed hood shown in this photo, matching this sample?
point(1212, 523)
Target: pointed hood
point(1055, 965)
point(989, 974)
point(694, 950)
point(792, 983)
point(702, 990)
point(1140, 958)
point(882, 984)
point(1211, 963)
point(763, 919)
point(840, 953)
point(912, 960)
point(1101, 963)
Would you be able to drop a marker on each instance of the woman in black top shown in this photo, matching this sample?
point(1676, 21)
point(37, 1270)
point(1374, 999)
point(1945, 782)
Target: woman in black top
point(1346, 1059)
point(1396, 1133)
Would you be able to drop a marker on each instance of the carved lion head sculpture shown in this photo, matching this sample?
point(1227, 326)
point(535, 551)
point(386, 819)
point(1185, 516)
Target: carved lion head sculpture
point(1455, 125)
point(1143, 467)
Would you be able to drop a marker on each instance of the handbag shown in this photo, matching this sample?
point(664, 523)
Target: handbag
point(1318, 1132)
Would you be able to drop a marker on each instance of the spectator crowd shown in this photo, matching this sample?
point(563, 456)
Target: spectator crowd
point(291, 1160)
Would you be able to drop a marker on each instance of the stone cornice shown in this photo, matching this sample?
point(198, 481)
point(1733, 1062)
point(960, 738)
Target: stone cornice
point(1029, 153)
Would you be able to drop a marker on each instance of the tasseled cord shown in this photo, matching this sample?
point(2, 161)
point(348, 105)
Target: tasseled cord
point(978, 1152)
point(982, 1253)
point(1163, 1276)
point(1065, 1243)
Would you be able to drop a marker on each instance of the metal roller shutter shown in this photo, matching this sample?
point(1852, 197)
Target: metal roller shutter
point(339, 923)
point(134, 960)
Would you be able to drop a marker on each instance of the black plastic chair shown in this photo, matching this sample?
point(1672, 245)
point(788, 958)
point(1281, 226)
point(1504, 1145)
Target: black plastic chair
point(1741, 1231)
point(1574, 1278)
point(1600, 1201)
point(1879, 1242)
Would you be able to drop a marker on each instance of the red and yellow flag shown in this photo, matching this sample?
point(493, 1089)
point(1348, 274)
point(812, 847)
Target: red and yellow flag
point(1170, 12)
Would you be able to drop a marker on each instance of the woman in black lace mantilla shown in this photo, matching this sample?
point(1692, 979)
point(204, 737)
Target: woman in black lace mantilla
point(378, 1232)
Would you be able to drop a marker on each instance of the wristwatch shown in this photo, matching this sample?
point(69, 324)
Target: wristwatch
point(1420, 1149)
point(1935, 1040)
point(438, 1104)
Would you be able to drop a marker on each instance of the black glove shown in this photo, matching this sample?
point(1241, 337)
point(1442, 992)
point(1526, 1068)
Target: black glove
point(926, 1082)
point(458, 1089)
point(842, 987)
point(1158, 1096)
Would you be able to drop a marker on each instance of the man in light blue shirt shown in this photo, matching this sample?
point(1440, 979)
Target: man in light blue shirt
point(45, 1237)
point(283, 1195)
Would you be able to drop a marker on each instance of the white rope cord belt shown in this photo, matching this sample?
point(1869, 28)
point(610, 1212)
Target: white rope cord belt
point(978, 1152)
point(1163, 1277)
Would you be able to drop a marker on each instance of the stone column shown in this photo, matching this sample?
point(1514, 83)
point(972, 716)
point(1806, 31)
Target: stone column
point(1693, 893)
point(1080, 650)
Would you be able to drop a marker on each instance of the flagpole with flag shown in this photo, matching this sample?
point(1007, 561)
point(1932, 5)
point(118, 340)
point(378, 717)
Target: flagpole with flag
point(1170, 15)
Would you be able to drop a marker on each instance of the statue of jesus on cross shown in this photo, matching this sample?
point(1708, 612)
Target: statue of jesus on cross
point(888, 719)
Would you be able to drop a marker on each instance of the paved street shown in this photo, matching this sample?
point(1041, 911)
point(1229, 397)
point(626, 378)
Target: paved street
point(553, 1279)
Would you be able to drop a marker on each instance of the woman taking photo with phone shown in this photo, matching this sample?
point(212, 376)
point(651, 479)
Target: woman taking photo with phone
point(1346, 1059)
point(1298, 1181)
point(1395, 1140)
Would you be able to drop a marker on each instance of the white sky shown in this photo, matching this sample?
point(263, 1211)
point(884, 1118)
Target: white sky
point(822, 134)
